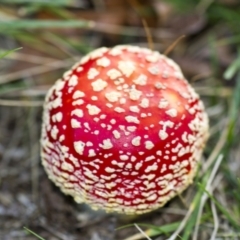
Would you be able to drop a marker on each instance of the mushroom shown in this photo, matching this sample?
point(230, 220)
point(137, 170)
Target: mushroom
point(123, 130)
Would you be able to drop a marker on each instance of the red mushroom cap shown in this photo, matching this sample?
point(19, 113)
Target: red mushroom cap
point(123, 130)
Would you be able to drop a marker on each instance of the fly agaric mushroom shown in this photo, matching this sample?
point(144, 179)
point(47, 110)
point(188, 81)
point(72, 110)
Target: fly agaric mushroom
point(123, 130)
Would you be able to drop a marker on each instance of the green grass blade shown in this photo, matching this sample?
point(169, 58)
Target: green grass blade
point(235, 102)
point(165, 229)
point(36, 24)
point(3, 54)
point(33, 233)
point(232, 69)
point(153, 231)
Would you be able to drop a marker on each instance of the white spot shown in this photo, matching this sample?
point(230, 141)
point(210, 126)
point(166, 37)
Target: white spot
point(119, 164)
point(78, 102)
point(133, 158)
point(143, 115)
point(182, 152)
point(160, 86)
point(96, 119)
point(149, 145)
point(184, 137)
point(163, 103)
point(131, 128)
point(78, 94)
point(77, 112)
point(91, 153)
point(109, 105)
point(122, 101)
point(153, 58)
point(109, 170)
point(79, 147)
point(159, 153)
point(98, 85)
point(172, 112)
point(116, 134)
point(73, 81)
point(107, 144)
point(113, 121)
point(163, 135)
point(103, 116)
point(154, 70)
point(136, 141)
point(112, 96)
point(113, 74)
point(94, 98)
point(124, 157)
point(54, 132)
point(141, 80)
point(93, 110)
point(75, 123)
point(96, 132)
point(129, 165)
point(119, 109)
point(103, 62)
point(132, 119)
point(134, 109)
point(150, 158)
point(138, 165)
point(79, 69)
point(165, 74)
point(126, 67)
point(92, 73)
point(144, 103)
point(62, 138)
point(119, 88)
point(70, 89)
point(134, 94)
point(59, 116)
point(152, 197)
point(89, 144)
point(67, 167)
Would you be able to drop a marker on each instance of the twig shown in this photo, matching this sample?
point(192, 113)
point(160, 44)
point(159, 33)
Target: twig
point(173, 45)
point(141, 231)
point(148, 33)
